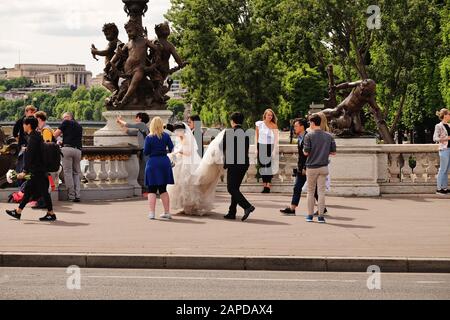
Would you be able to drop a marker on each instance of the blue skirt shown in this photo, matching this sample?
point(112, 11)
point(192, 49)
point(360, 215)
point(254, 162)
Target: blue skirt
point(158, 171)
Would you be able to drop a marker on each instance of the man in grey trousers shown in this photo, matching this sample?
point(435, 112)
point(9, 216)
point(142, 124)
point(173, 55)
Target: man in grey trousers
point(72, 133)
point(318, 146)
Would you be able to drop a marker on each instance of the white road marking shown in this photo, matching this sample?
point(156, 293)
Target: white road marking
point(220, 279)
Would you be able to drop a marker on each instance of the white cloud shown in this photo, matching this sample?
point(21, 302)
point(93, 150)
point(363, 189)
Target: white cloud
point(62, 31)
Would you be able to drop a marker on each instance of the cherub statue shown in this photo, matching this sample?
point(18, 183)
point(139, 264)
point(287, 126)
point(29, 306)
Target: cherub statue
point(160, 68)
point(135, 53)
point(110, 79)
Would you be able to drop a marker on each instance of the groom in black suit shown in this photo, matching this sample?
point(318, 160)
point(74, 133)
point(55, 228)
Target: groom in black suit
point(235, 146)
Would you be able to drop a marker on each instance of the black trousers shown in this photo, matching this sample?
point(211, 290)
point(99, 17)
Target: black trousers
point(265, 161)
point(37, 187)
point(235, 175)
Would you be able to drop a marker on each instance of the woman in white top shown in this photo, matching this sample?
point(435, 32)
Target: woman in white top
point(267, 141)
point(442, 136)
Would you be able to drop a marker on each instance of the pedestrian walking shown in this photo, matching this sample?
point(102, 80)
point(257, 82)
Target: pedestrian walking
point(38, 184)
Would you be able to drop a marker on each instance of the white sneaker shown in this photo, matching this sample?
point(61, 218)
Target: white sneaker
point(166, 216)
point(151, 216)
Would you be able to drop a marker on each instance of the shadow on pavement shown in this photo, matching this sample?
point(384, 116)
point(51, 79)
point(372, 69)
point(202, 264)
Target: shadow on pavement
point(58, 223)
point(350, 226)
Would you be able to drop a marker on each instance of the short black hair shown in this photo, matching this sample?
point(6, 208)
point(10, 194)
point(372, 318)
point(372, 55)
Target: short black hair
point(316, 119)
point(195, 117)
point(178, 126)
point(31, 121)
point(237, 117)
point(144, 117)
point(169, 127)
point(301, 121)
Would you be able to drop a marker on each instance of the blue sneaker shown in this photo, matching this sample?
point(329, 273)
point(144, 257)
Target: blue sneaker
point(321, 220)
point(309, 218)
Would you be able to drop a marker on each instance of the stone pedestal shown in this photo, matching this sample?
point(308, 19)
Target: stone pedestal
point(354, 170)
point(113, 135)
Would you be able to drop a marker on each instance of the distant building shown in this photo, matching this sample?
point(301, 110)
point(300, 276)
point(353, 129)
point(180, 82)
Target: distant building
point(3, 73)
point(23, 93)
point(52, 74)
point(97, 81)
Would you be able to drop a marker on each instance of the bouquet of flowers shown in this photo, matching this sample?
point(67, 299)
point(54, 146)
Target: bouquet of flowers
point(11, 176)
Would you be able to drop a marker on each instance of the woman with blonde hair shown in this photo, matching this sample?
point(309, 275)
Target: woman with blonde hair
point(158, 171)
point(442, 136)
point(267, 141)
point(324, 123)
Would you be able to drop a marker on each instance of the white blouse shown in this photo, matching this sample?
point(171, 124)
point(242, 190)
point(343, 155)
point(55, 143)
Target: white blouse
point(265, 135)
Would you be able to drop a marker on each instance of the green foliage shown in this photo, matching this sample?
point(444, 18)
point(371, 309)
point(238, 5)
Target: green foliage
point(84, 104)
point(248, 55)
point(15, 83)
point(177, 107)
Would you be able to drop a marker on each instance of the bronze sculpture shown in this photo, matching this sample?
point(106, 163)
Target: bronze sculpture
point(345, 118)
point(110, 80)
point(141, 64)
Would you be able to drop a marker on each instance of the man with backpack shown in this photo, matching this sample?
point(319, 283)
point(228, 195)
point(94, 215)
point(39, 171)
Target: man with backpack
point(72, 133)
point(34, 164)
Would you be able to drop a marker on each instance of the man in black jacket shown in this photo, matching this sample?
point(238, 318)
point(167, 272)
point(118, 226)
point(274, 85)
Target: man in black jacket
point(235, 146)
point(38, 185)
point(19, 134)
point(300, 126)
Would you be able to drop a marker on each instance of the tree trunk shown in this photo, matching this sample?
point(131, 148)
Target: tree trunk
point(381, 123)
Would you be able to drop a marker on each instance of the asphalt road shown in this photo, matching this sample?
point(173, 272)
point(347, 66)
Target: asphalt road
point(39, 283)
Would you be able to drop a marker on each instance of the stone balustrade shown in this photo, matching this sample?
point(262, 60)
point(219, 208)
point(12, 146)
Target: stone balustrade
point(360, 168)
point(112, 173)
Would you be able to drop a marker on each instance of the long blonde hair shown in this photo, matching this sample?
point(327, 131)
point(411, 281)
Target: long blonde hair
point(156, 127)
point(324, 122)
point(442, 113)
point(274, 116)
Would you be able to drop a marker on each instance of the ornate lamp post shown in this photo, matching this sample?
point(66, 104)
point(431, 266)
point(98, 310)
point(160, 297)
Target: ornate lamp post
point(135, 9)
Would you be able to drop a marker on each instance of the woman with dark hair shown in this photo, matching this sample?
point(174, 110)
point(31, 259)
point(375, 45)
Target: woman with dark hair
point(38, 184)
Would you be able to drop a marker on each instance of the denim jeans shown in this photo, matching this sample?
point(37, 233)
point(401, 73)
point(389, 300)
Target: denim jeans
point(444, 166)
point(299, 183)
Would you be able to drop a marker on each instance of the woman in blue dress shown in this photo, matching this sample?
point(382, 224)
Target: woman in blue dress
point(158, 171)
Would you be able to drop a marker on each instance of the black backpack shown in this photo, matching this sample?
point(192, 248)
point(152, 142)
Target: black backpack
point(51, 156)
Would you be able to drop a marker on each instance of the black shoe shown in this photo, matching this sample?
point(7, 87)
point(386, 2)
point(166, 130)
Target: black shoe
point(266, 190)
point(288, 211)
point(13, 213)
point(230, 216)
point(441, 191)
point(48, 217)
point(324, 212)
point(247, 212)
point(76, 200)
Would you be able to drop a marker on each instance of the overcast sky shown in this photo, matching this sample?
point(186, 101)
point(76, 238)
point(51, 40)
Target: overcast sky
point(62, 31)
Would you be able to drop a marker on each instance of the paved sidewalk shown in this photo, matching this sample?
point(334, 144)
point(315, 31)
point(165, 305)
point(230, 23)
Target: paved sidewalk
point(417, 227)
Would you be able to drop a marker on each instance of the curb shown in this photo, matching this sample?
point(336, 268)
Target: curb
point(268, 263)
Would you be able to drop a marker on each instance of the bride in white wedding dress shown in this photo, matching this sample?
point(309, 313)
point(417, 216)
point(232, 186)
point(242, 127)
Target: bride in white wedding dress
point(195, 178)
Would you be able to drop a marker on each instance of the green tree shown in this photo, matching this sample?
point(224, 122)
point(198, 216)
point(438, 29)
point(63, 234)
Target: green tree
point(177, 107)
